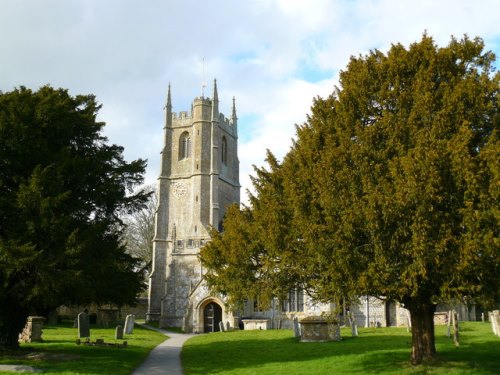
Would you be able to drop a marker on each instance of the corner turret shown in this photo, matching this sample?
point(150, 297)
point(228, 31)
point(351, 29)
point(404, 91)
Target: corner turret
point(215, 103)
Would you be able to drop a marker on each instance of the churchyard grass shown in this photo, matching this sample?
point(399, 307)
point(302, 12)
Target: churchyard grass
point(60, 355)
point(374, 351)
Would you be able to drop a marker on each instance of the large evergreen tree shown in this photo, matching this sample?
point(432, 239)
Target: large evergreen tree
point(62, 190)
point(394, 182)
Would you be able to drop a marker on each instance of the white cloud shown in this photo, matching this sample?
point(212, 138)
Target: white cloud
point(273, 55)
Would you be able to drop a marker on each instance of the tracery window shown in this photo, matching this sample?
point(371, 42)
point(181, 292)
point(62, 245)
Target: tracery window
point(295, 301)
point(224, 151)
point(184, 146)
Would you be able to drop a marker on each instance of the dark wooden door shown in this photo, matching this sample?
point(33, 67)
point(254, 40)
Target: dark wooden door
point(212, 316)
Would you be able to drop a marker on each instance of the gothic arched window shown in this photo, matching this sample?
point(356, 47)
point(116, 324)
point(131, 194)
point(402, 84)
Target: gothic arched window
point(184, 146)
point(224, 151)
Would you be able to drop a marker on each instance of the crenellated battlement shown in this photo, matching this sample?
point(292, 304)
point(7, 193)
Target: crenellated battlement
point(184, 118)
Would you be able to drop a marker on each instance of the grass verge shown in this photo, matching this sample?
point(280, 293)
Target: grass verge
point(60, 355)
point(374, 351)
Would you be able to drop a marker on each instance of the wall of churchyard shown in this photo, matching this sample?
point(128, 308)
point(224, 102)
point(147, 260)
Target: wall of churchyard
point(71, 312)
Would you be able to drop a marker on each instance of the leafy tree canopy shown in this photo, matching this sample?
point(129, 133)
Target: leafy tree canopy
point(392, 186)
point(62, 191)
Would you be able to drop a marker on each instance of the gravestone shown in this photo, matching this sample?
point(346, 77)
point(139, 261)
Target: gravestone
point(32, 331)
point(221, 326)
point(83, 325)
point(296, 327)
point(228, 326)
point(129, 324)
point(352, 323)
point(456, 339)
point(494, 317)
point(119, 333)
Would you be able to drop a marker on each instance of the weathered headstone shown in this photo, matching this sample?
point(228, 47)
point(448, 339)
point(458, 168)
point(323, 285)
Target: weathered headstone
point(119, 333)
point(494, 317)
point(83, 325)
point(228, 326)
point(408, 320)
point(129, 324)
point(32, 331)
point(456, 339)
point(221, 326)
point(296, 327)
point(352, 323)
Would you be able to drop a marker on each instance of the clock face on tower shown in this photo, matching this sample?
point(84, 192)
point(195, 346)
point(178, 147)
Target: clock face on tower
point(179, 189)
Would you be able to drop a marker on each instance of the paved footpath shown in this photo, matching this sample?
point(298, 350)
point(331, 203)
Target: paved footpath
point(165, 358)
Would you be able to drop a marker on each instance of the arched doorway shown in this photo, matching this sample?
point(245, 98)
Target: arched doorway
point(212, 316)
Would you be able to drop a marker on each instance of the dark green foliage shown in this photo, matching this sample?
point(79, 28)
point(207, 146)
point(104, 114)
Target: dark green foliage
point(392, 186)
point(62, 189)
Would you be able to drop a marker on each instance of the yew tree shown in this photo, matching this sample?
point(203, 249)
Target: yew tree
point(405, 181)
point(63, 188)
point(392, 186)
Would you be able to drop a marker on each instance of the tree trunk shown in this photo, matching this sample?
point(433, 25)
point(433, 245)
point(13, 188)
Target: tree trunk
point(12, 321)
point(422, 331)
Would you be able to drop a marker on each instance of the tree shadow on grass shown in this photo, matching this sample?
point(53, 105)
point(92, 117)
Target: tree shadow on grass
point(253, 353)
point(376, 353)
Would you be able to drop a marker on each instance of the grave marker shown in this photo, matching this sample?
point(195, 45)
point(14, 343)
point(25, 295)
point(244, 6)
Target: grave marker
point(296, 327)
point(83, 325)
point(119, 333)
point(129, 324)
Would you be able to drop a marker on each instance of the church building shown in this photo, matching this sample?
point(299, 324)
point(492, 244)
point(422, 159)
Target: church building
point(199, 179)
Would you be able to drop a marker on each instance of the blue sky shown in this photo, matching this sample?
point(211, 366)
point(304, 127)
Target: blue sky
point(274, 56)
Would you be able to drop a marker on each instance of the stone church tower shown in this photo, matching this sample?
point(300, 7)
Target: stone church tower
point(199, 178)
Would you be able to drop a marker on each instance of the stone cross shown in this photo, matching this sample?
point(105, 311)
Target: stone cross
point(83, 325)
point(129, 324)
point(119, 333)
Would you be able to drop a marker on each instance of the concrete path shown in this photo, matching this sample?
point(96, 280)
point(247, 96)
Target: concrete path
point(165, 358)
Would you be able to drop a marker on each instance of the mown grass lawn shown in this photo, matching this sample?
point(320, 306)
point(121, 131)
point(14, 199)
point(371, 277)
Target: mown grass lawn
point(374, 351)
point(60, 355)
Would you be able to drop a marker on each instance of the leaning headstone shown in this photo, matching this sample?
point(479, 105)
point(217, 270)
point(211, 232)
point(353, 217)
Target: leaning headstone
point(129, 324)
point(119, 333)
point(221, 326)
point(83, 325)
point(296, 327)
